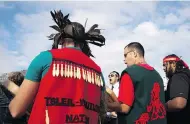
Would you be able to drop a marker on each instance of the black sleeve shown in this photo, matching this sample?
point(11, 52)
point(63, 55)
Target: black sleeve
point(4, 101)
point(179, 86)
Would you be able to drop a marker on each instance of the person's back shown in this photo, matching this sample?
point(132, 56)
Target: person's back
point(149, 100)
point(141, 91)
point(67, 86)
point(74, 82)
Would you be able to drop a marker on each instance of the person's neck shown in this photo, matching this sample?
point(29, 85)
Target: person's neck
point(70, 46)
point(141, 61)
point(114, 83)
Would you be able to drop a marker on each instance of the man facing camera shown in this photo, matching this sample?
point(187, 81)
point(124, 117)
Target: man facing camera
point(111, 117)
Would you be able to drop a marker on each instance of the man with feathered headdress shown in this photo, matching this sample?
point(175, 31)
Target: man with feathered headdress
point(177, 93)
point(67, 85)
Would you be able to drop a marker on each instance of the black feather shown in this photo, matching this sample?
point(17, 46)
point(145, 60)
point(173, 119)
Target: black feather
point(56, 28)
point(92, 28)
point(93, 35)
point(86, 50)
point(51, 37)
point(61, 23)
point(66, 17)
point(53, 16)
point(95, 43)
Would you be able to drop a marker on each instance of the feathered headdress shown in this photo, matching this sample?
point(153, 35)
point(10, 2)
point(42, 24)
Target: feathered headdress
point(75, 31)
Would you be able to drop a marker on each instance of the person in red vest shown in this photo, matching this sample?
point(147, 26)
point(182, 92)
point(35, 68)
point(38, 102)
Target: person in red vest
point(141, 92)
point(177, 93)
point(66, 85)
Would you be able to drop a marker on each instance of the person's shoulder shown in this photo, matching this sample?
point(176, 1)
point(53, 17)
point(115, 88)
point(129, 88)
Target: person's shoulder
point(180, 75)
point(129, 71)
point(39, 62)
point(93, 63)
point(132, 68)
point(157, 73)
point(44, 55)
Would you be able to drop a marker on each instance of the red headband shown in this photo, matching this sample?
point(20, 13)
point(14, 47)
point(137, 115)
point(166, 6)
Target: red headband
point(167, 59)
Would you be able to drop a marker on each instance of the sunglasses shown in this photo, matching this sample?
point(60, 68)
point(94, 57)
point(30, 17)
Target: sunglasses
point(112, 75)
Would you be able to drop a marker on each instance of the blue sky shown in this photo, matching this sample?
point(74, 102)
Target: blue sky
point(162, 27)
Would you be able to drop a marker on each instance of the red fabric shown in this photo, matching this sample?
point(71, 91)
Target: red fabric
point(155, 109)
point(67, 88)
point(126, 90)
point(146, 66)
point(167, 59)
point(75, 56)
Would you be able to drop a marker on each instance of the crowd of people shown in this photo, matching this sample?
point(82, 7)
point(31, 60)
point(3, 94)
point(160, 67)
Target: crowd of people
point(64, 85)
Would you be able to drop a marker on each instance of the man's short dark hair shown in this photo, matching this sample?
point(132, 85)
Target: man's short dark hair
point(138, 47)
point(117, 73)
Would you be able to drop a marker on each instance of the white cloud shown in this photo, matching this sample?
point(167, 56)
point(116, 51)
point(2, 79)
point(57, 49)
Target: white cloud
point(146, 28)
point(113, 9)
point(179, 16)
point(34, 29)
point(9, 62)
point(172, 19)
point(123, 24)
point(103, 19)
point(185, 12)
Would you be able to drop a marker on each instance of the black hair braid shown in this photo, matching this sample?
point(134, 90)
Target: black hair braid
point(179, 66)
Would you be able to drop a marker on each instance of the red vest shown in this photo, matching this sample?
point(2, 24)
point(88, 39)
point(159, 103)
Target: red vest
point(70, 91)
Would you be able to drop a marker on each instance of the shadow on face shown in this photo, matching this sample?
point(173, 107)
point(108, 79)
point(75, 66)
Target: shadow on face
point(169, 68)
point(129, 56)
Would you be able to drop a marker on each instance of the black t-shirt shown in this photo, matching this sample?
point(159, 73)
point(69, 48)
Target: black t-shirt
point(178, 86)
point(5, 117)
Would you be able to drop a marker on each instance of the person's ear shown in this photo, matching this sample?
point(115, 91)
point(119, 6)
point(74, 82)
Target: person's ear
point(135, 53)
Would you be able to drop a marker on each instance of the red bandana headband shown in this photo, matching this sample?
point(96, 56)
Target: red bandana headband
point(167, 59)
